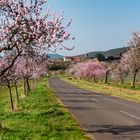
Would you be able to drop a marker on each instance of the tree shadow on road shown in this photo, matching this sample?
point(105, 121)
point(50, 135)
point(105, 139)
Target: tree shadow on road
point(77, 101)
point(122, 131)
point(80, 108)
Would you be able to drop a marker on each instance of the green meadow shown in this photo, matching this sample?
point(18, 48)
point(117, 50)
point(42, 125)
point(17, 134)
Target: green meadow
point(39, 116)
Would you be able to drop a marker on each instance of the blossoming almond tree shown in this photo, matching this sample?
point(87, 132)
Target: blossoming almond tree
point(88, 70)
point(94, 69)
point(109, 67)
point(41, 70)
point(27, 28)
point(9, 79)
point(131, 58)
point(120, 73)
point(24, 68)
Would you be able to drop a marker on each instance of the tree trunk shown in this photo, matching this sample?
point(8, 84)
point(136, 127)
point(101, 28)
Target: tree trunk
point(0, 127)
point(25, 89)
point(122, 81)
point(28, 86)
point(11, 98)
point(17, 95)
point(45, 86)
point(106, 77)
point(33, 84)
point(94, 78)
point(134, 79)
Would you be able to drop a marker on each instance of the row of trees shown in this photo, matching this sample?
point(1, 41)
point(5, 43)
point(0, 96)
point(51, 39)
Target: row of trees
point(119, 69)
point(26, 27)
point(88, 70)
point(27, 31)
point(24, 69)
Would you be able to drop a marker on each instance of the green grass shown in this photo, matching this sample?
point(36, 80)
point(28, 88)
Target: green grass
point(113, 90)
point(3, 93)
point(39, 116)
point(126, 85)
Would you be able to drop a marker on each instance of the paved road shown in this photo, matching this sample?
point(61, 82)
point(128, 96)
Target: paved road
point(103, 116)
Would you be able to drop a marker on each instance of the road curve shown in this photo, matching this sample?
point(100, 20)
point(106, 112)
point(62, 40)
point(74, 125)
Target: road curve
point(103, 117)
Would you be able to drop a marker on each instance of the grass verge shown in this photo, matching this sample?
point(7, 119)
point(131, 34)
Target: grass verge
point(106, 89)
point(39, 116)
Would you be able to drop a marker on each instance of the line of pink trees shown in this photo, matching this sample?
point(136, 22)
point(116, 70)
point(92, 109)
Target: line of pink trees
point(88, 70)
point(119, 70)
point(24, 69)
point(28, 27)
point(27, 31)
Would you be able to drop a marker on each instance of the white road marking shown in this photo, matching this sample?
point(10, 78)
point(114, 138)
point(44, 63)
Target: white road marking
point(94, 99)
point(130, 115)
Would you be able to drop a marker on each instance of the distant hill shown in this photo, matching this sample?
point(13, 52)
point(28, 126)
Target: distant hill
point(112, 52)
point(55, 56)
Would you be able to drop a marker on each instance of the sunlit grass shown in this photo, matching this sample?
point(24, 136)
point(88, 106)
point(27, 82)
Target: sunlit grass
point(39, 116)
point(126, 85)
point(3, 93)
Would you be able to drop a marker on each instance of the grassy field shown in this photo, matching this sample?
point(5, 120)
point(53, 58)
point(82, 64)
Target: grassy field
point(126, 85)
point(109, 89)
point(3, 93)
point(39, 116)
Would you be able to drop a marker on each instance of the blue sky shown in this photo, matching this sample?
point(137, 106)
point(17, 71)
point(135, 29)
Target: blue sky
point(99, 24)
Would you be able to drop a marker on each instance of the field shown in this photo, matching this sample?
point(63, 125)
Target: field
point(39, 116)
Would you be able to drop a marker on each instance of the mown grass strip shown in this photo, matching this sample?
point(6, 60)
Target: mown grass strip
point(39, 116)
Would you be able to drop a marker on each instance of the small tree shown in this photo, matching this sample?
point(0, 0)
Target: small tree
point(100, 56)
point(119, 73)
point(7, 79)
point(109, 67)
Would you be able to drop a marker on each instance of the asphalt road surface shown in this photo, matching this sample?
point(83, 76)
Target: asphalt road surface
point(103, 117)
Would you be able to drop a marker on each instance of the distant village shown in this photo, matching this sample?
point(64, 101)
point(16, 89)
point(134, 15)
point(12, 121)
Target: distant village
point(58, 62)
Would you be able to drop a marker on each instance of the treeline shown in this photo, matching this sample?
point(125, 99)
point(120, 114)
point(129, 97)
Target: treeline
point(28, 30)
point(26, 70)
point(128, 64)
